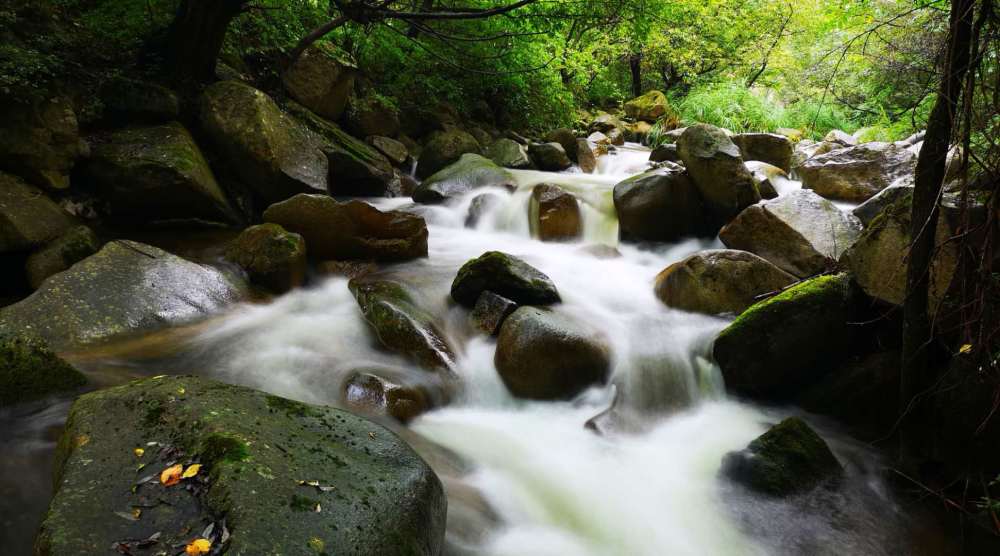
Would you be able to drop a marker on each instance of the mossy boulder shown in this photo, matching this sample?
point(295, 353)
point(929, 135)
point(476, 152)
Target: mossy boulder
point(58, 255)
point(719, 281)
point(470, 172)
point(544, 355)
point(716, 167)
point(28, 218)
point(40, 141)
point(649, 107)
point(287, 478)
point(149, 174)
point(771, 148)
point(659, 205)
point(857, 173)
point(444, 148)
point(271, 256)
point(509, 154)
point(350, 230)
point(504, 275)
point(783, 344)
point(551, 157)
point(790, 458)
point(30, 370)
point(555, 213)
point(371, 115)
point(272, 153)
point(400, 323)
point(322, 79)
point(130, 101)
point(127, 287)
point(394, 150)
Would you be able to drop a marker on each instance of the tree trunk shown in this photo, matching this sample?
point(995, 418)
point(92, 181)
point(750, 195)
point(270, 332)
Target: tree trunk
point(635, 66)
point(196, 36)
point(915, 376)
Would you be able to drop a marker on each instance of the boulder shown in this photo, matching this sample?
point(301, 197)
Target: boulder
point(392, 149)
point(649, 107)
point(555, 213)
point(616, 137)
point(150, 174)
point(868, 210)
point(719, 281)
point(713, 161)
point(659, 205)
point(61, 253)
point(490, 311)
point(29, 370)
point(566, 138)
point(322, 80)
point(543, 355)
point(470, 172)
point(351, 230)
point(509, 154)
point(799, 232)
point(127, 287)
point(40, 141)
point(586, 156)
point(28, 218)
point(400, 324)
point(269, 151)
point(857, 173)
point(770, 180)
point(445, 148)
point(377, 392)
point(604, 123)
point(272, 257)
point(790, 458)
point(550, 157)
point(276, 476)
point(600, 142)
point(841, 137)
point(807, 148)
point(482, 136)
point(870, 383)
point(371, 115)
point(790, 341)
point(504, 275)
point(771, 148)
point(129, 101)
point(666, 152)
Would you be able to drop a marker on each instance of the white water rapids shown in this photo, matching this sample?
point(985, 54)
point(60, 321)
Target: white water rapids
point(560, 489)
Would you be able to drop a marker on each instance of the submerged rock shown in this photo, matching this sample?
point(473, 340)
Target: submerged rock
point(40, 141)
point(799, 232)
point(714, 164)
point(373, 392)
point(60, 254)
point(771, 148)
point(260, 455)
point(857, 173)
point(322, 80)
point(28, 218)
point(783, 344)
point(470, 172)
point(127, 287)
point(555, 213)
point(719, 281)
point(504, 275)
point(789, 458)
point(490, 311)
point(351, 230)
point(445, 148)
point(659, 205)
point(271, 256)
point(544, 355)
point(30, 370)
point(551, 157)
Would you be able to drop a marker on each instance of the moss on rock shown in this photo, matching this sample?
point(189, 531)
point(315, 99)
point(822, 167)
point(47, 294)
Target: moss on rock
point(30, 370)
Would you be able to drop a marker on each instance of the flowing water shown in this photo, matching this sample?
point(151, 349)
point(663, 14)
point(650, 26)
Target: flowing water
point(542, 482)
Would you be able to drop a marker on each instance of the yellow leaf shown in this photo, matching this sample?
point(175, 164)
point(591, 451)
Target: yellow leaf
point(139, 452)
point(181, 391)
point(136, 512)
point(171, 475)
point(191, 471)
point(198, 547)
point(965, 348)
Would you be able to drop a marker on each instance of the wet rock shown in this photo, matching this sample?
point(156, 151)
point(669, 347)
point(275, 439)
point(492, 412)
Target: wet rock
point(586, 156)
point(807, 148)
point(841, 137)
point(272, 257)
point(544, 355)
point(564, 137)
point(480, 205)
point(127, 287)
point(719, 281)
point(659, 205)
point(649, 107)
point(714, 164)
point(128, 101)
point(555, 213)
point(58, 255)
point(351, 230)
point(604, 123)
point(259, 453)
point(870, 383)
point(665, 153)
point(789, 458)
point(28, 218)
point(800, 232)
point(40, 141)
point(509, 154)
point(504, 275)
point(790, 341)
point(470, 172)
point(347, 269)
point(272, 153)
point(550, 157)
point(443, 149)
point(369, 392)
point(616, 137)
point(600, 142)
point(868, 210)
point(322, 80)
point(483, 137)
point(400, 324)
point(517, 137)
point(490, 311)
point(29, 370)
point(150, 174)
point(768, 178)
point(371, 115)
point(857, 173)
point(771, 148)
point(394, 150)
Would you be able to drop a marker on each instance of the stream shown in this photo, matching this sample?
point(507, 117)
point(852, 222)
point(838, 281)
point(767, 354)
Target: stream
point(647, 485)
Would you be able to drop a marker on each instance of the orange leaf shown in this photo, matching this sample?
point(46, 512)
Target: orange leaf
point(198, 547)
point(171, 475)
point(191, 471)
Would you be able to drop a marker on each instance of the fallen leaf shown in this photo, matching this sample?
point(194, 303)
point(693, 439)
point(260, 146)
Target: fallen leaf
point(318, 508)
point(136, 512)
point(171, 475)
point(139, 452)
point(371, 435)
point(965, 348)
point(181, 391)
point(198, 547)
point(127, 516)
point(191, 471)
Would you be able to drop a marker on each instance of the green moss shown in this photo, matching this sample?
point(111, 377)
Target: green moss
point(302, 503)
point(30, 370)
point(219, 447)
point(813, 291)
